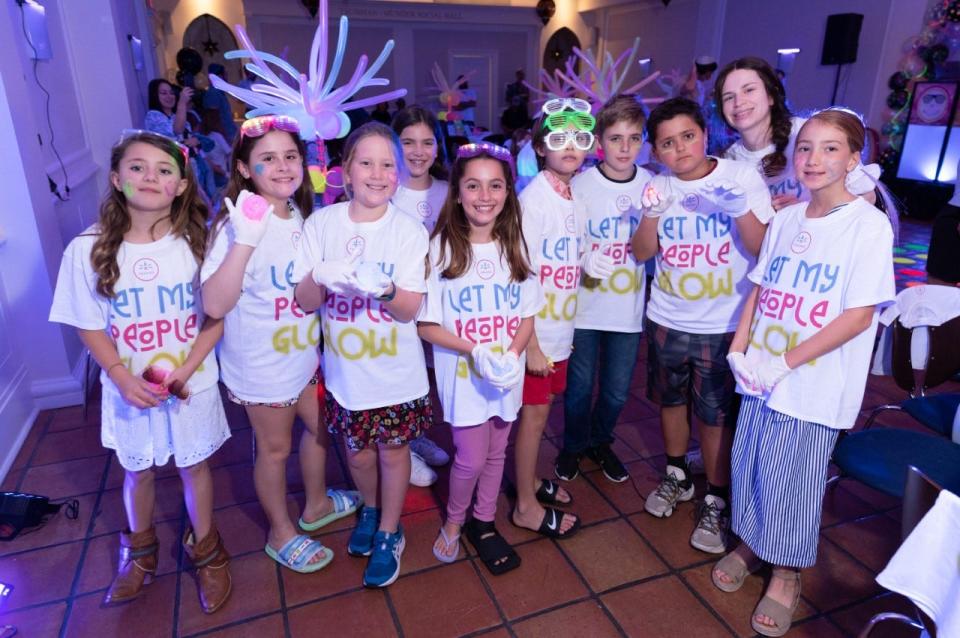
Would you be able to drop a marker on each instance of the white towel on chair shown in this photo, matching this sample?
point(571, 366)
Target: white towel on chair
point(926, 568)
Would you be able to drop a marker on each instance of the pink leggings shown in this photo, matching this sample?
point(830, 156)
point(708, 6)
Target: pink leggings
point(481, 450)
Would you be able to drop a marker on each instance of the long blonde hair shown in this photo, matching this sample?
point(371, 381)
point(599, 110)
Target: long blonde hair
point(188, 213)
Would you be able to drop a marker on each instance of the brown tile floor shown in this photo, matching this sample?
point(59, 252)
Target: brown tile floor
point(625, 574)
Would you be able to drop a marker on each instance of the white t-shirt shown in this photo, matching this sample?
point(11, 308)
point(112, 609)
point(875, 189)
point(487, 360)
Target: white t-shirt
point(809, 271)
point(424, 206)
point(612, 215)
point(155, 314)
point(700, 281)
point(269, 349)
point(552, 229)
point(787, 183)
point(370, 360)
point(483, 306)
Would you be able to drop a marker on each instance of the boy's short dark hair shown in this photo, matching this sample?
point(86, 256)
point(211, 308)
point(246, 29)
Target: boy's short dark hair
point(670, 109)
point(620, 108)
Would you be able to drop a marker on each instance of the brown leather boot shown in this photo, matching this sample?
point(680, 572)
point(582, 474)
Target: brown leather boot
point(138, 565)
point(212, 561)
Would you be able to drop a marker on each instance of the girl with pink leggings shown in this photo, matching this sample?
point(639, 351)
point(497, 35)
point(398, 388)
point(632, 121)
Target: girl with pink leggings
point(481, 299)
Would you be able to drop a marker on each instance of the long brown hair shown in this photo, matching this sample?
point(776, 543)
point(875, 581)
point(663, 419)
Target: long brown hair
point(188, 213)
point(242, 149)
point(780, 117)
point(453, 228)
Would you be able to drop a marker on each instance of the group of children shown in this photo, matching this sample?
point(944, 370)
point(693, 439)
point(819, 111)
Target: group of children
point(522, 298)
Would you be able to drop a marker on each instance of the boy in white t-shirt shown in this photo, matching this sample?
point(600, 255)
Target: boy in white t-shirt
point(704, 221)
point(610, 308)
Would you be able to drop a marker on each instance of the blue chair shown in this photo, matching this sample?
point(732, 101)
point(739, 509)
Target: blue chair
point(879, 457)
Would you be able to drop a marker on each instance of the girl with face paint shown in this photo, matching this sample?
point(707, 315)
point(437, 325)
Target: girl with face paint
point(129, 286)
point(269, 357)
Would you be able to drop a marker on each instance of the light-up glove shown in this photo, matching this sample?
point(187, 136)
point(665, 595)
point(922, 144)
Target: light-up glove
point(599, 265)
point(746, 378)
point(656, 199)
point(250, 217)
point(370, 279)
point(486, 362)
point(509, 372)
point(335, 276)
point(728, 196)
point(771, 372)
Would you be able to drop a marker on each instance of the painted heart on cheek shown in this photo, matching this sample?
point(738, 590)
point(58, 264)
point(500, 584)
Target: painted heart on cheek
point(254, 207)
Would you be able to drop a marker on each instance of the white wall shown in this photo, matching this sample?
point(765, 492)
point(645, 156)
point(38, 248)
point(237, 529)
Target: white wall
point(91, 98)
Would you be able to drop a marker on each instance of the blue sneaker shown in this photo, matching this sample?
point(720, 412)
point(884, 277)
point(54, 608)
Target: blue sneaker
point(384, 565)
point(361, 540)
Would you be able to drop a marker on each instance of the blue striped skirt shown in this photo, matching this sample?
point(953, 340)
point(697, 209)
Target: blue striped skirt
point(779, 473)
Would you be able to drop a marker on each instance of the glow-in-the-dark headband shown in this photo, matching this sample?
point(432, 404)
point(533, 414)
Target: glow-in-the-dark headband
point(467, 151)
point(312, 100)
point(260, 126)
point(127, 133)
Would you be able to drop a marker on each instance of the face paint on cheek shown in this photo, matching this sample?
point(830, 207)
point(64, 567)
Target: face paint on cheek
point(258, 169)
point(170, 190)
point(128, 189)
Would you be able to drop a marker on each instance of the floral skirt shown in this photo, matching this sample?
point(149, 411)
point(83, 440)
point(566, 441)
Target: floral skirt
point(390, 425)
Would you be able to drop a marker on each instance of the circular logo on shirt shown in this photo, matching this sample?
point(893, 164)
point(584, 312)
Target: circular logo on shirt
point(355, 245)
point(424, 209)
point(146, 269)
point(691, 202)
point(801, 242)
point(624, 203)
point(295, 239)
point(571, 224)
point(485, 269)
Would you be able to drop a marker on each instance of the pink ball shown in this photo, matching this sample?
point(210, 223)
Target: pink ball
point(254, 207)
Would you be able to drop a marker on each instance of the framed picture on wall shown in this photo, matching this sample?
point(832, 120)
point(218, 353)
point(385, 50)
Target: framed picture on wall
point(931, 143)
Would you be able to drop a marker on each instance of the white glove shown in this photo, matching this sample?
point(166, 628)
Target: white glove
point(655, 201)
point(335, 276)
point(486, 362)
point(727, 196)
point(369, 279)
point(746, 378)
point(510, 372)
point(599, 265)
point(249, 216)
point(771, 372)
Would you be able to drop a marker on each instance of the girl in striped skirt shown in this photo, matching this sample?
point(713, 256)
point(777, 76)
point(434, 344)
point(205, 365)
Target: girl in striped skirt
point(800, 355)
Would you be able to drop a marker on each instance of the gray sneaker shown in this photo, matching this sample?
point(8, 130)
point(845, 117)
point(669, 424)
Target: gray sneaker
point(664, 499)
point(712, 523)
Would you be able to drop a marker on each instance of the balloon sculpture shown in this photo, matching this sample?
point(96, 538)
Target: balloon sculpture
point(449, 97)
point(553, 86)
point(311, 98)
point(604, 80)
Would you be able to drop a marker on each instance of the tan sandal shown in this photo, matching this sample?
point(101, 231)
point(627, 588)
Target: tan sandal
point(736, 570)
point(781, 615)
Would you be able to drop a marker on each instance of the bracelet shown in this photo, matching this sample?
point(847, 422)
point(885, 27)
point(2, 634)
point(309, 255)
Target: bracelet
point(118, 363)
point(389, 296)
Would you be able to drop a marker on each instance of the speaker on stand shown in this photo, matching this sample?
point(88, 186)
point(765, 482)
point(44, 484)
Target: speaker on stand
point(840, 43)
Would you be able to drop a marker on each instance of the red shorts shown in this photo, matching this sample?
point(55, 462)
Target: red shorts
point(540, 390)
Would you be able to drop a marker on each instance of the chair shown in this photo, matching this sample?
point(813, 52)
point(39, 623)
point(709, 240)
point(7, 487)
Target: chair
point(919, 495)
point(879, 457)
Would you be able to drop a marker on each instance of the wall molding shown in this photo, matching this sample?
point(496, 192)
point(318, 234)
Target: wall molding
point(60, 392)
point(17, 417)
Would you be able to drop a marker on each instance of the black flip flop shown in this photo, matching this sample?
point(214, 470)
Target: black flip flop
point(491, 547)
point(548, 491)
point(550, 524)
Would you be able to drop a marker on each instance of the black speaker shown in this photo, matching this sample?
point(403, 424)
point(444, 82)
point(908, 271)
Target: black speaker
point(842, 38)
point(18, 511)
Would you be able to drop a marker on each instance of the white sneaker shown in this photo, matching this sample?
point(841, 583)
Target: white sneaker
point(664, 499)
point(712, 524)
point(429, 451)
point(420, 473)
